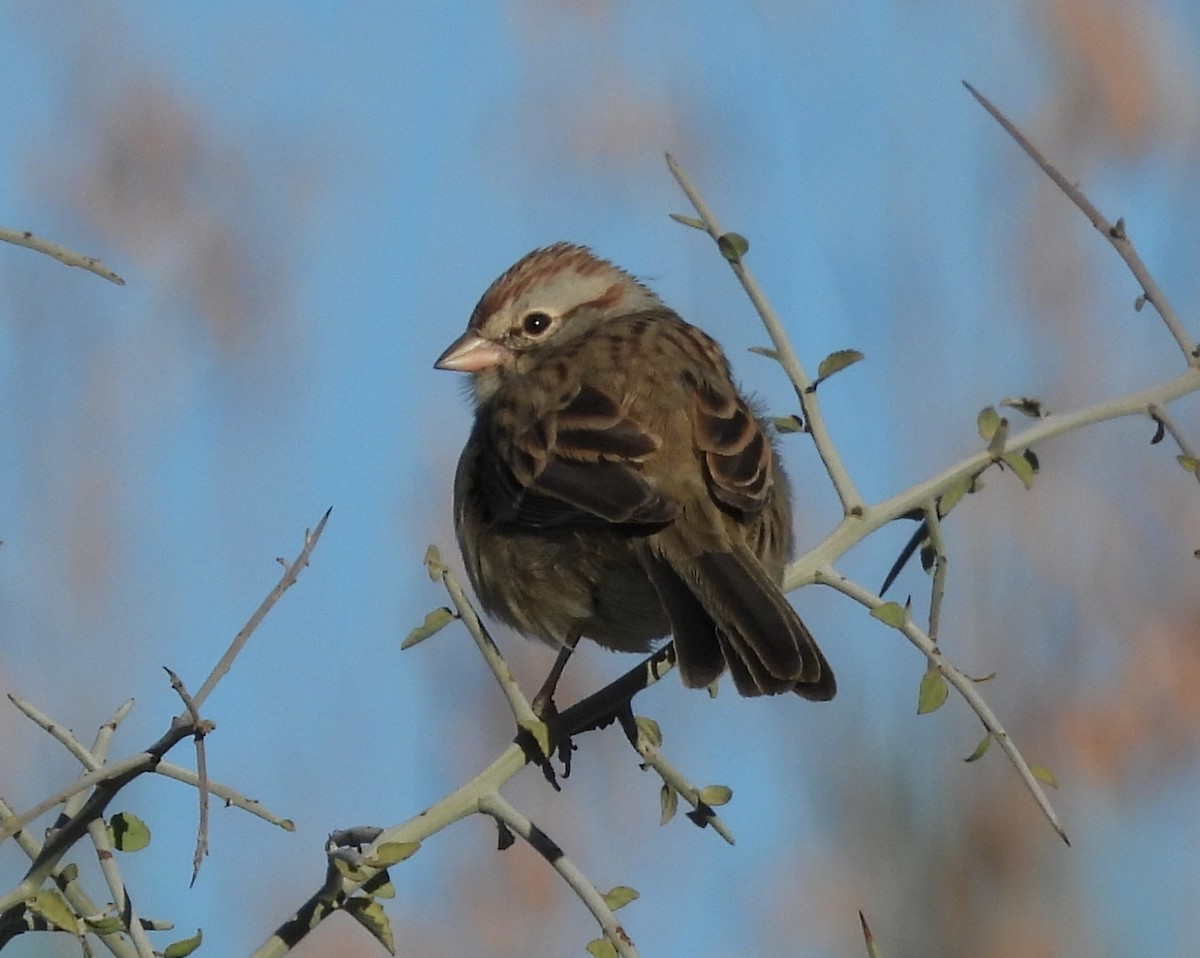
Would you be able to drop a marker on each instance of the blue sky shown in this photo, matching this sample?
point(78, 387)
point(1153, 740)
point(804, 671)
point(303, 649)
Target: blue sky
point(341, 183)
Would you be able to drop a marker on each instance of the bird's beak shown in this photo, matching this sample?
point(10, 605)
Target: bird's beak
point(471, 353)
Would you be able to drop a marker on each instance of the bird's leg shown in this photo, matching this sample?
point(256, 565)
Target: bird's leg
point(543, 702)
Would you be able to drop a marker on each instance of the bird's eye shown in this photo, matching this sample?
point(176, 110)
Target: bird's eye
point(535, 324)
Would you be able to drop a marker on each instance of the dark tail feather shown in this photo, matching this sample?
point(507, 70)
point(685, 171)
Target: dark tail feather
point(824, 688)
point(747, 673)
point(697, 650)
point(725, 609)
point(754, 615)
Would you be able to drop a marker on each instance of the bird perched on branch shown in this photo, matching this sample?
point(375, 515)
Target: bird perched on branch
point(616, 485)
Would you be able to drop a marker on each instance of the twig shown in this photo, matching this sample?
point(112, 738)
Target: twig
point(653, 758)
point(96, 772)
point(1164, 419)
point(938, 590)
point(520, 706)
point(59, 252)
point(71, 890)
point(290, 573)
point(108, 781)
point(94, 759)
point(860, 520)
point(817, 564)
point(492, 803)
point(102, 782)
point(122, 770)
point(104, 734)
point(1113, 232)
point(803, 570)
point(202, 728)
point(98, 832)
point(809, 404)
point(596, 711)
point(457, 805)
point(101, 842)
point(965, 686)
point(59, 733)
point(226, 794)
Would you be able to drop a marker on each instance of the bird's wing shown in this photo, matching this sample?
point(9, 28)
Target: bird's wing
point(578, 462)
point(736, 453)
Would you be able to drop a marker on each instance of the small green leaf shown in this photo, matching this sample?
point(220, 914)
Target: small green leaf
point(733, 246)
point(128, 832)
point(1026, 406)
point(1020, 466)
point(786, 424)
point(982, 678)
point(649, 730)
point(347, 869)
point(369, 913)
point(434, 564)
point(980, 749)
point(668, 798)
point(601, 948)
point(999, 438)
point(184, 947)
point(889, 614)
point(716, 795)
point(380, 886)
point(688, 221)
point(620, 896)
point(1190, 463)
point(1043, 773)
point(392, 853)
point(435, 621)
point(104, 924)
point(933, 692)
point(988, 422)
point(765, 351)
point(837, 361)
point(954, 493)
point(52, 907)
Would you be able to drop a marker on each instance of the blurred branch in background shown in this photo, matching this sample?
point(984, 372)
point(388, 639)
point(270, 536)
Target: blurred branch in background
point(59, 252)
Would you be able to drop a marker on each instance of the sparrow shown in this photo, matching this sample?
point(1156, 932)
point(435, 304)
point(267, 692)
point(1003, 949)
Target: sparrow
point(616, 486)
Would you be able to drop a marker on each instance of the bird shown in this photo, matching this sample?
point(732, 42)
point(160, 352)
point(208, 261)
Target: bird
point(617, 486)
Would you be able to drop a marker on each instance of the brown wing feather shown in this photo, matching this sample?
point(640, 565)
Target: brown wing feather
point(737, 455)
point(578, 462)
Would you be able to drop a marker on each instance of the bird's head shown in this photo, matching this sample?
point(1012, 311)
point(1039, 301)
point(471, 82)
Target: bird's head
point(545, 299)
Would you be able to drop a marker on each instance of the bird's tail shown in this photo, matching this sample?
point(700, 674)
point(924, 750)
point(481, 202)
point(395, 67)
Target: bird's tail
point(725, 610)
